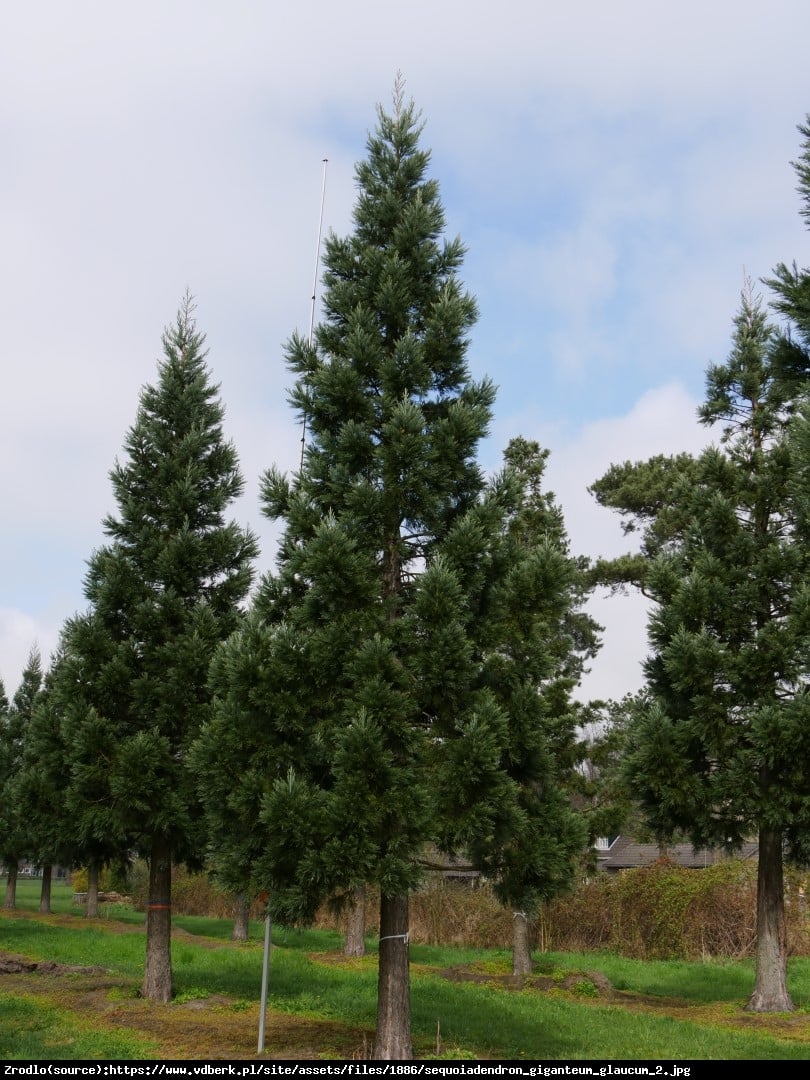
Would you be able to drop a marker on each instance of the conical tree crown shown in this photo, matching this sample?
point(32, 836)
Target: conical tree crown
point(392, 417)
point(15, 724)
point(22, 704)
point(728, 663)
point(164, 592)
point(177, 480)
point(358, 668)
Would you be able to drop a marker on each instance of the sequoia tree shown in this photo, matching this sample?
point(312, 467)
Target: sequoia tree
point(163, 593)
point(9, 753)
point(356, 685)
point(722, 749)
point(532, 642)
point(15, 721)
point(41, 785)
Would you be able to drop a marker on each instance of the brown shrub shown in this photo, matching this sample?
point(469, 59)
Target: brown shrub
point(192, 894)
point(666, 912)
point(657, 912)
point(441, 913)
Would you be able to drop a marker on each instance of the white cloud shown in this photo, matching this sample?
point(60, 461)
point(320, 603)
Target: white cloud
point(663, 421)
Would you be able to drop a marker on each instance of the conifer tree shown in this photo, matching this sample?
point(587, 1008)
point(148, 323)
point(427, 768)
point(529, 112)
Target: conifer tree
point(15, 720)
point(6, 772)
point(533, 642)
point(41, 786)
point(355, 687)
point(721, 750)
point(163, 593)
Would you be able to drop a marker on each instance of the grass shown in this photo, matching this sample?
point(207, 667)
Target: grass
point(705, 981)
point(463, 1003)
point(33, 1030)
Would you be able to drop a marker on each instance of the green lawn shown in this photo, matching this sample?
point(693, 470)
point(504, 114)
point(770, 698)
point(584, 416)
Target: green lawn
point(480, 1019)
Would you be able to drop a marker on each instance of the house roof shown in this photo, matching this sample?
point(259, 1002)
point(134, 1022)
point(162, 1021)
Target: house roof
point(625, 853)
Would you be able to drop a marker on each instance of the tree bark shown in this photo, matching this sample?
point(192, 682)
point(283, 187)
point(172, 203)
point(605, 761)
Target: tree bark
point(45, 894)
point(392, 1039)
point(770, 988)
point(241, 918)
point(10, 900)
point(91, 906)
point(521, 946)
point(355, 944)
point(157, 979)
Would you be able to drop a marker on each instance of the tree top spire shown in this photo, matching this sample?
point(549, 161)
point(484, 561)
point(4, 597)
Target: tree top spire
point(398, 95)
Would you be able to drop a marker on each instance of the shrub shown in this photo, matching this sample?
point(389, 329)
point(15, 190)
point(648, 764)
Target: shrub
point(192, 894)
point(666, 912)
point(110, 879)
point(657, 912)
point(441, 913)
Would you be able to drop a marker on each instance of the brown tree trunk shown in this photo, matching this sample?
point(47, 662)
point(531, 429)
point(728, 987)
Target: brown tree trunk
point(355, 944)
point(91, 908)
point(241, 918)
point(521, 946)
point(45, 894)
point(157, 979)
point(10, 900)
point(392, 1039)
point(770, 988)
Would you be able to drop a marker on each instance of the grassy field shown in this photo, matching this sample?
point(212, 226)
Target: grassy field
point(83, 1002)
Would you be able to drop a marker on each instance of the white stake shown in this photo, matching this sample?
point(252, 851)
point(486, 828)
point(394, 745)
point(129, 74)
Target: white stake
point(265, 970)
point(314, 293)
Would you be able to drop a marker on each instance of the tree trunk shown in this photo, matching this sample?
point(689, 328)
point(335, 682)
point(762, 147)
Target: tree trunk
point(157, 979)
point(770, 989)
point(241, 917)
point(45, 894)
point(392, 1039)
point(91, 907)
point(355, 944)
point(521, 946)
point(11, 884)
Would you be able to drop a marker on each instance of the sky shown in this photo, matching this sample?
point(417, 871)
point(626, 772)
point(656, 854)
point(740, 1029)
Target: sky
point(615, 171)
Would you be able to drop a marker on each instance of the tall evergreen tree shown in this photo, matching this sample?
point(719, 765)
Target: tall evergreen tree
point(722, 749)
point(357, 682)
point(41, 786)
point(6, 772)
point(163, 593)
point(15, 721)
point(533, 640)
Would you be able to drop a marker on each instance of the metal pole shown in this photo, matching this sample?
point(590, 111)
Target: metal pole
point(314, 294)
point(318, 252)
point(265, 969)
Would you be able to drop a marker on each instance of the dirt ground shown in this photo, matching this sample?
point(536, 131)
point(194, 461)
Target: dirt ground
point(219, 1028)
